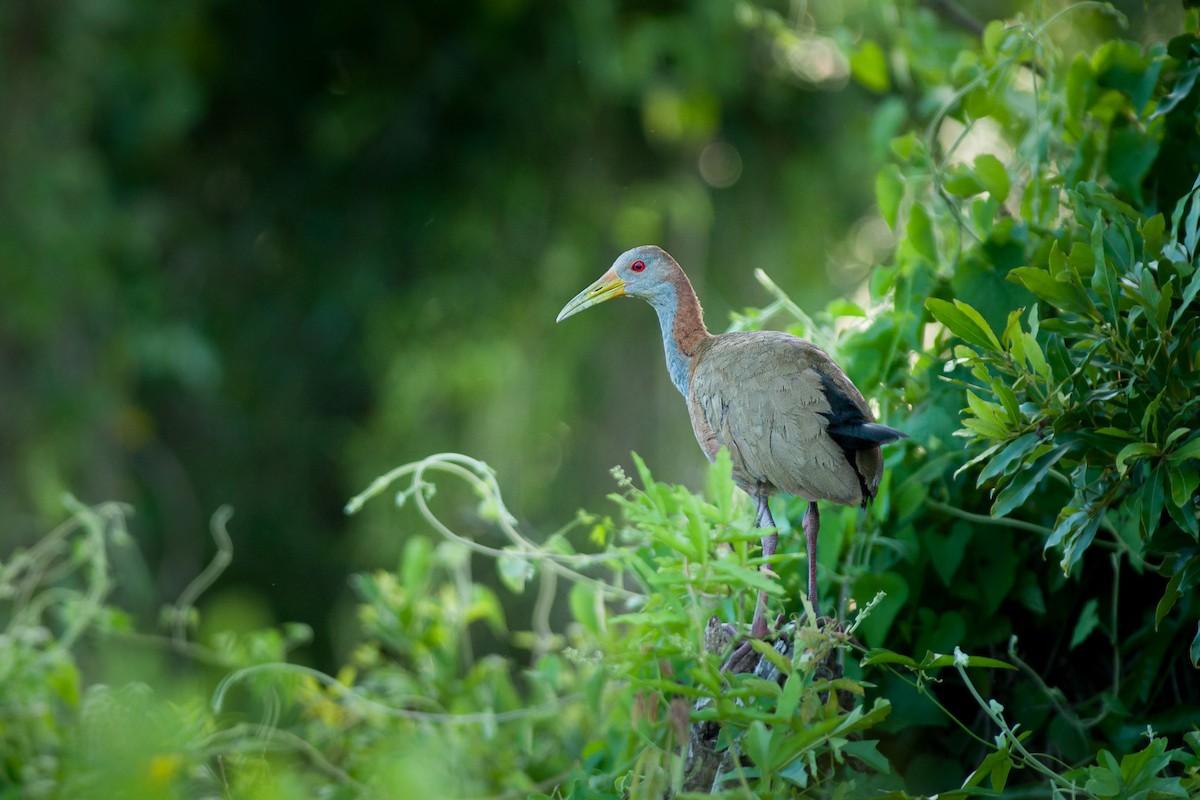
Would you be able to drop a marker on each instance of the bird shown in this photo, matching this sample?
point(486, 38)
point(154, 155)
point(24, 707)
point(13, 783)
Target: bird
point(790, 418)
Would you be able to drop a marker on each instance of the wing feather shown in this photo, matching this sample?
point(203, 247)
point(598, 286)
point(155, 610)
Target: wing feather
point(763, 396)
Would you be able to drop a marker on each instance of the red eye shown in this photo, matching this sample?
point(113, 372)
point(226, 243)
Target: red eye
point(638, 266)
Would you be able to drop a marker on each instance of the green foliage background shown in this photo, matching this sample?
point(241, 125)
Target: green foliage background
point(259, 256)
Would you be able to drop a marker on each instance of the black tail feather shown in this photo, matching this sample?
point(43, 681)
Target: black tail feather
point(863, 434)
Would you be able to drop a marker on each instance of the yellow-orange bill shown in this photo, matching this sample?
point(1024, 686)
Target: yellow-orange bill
point(608, 287)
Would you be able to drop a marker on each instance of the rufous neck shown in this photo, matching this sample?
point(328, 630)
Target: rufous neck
point(682, 322)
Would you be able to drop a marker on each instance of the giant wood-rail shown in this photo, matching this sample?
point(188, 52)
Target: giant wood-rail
point(790, 418)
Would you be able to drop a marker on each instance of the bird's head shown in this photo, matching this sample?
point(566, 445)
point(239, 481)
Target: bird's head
point(647, 272)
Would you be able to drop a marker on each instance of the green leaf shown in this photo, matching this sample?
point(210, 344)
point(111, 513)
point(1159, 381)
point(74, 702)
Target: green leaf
point(737, 575)
point(946, 551)
point(867, 751)
point(757, 743)
point(1130, 155)
point(1074, 533)
point(719, 486)
point(908, 146)
point(1087, 622)
point(1192, 227)
point(1000, 774)
point(1040, 200)
point(988, 412)
point(1143, 766)
point(993, 576)
point(1081, 83)
point(1081, 259)
point(643, 471)
point(485, 605)
point(1062, 291)
point(962, 182)
point(1029, 593)
point(514, 570)
point(1183, 485)
point(1008, 400)
point(1150, 416)
point(1190, 449)
point(1008, 458)
point(889, 192)
point(795, 771)
point(1188, 232)
point(992, 173)
point(879, 655)
point(868, 65)
point(1184, 80)
point(986, 427)
point(65, 681)
point(964, 322)
point(841, 307)
point(940, 660)
point(1033, 352)
point(980, 323)
point(1153, 493)
point(919, 233)
point(789, 701)
point(857, 720)
point(1012, 332)
point(1189, 294)
point(994, 35)
point(584, 608)
point(1175, 436)
point(1169, 596)
point(768, 651)
point(995, 765)
point(1102, 783)
point(1023, 485)
point(1194, 650)
point(1134, 450)
point(1104, 277)
point(1153, 233)
point(417, 565)
point(1186, 519)
point(984, 212)
point(1124, 66)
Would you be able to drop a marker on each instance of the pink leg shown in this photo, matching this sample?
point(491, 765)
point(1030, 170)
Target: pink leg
point(812, 525)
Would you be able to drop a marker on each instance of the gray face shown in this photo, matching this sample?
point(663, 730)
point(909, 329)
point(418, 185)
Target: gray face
point(645, 272)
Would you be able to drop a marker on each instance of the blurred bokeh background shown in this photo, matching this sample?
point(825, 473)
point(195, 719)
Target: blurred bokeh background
point(258, 253)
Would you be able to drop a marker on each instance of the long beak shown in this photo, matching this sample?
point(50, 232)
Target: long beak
point(608, 287)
